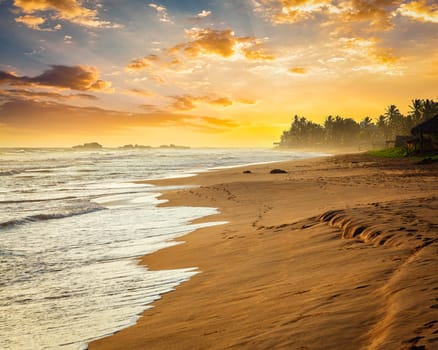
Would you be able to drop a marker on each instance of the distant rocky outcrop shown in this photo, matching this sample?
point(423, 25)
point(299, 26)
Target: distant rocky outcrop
point(90, 145)
point(134, 147)
point(171, 146)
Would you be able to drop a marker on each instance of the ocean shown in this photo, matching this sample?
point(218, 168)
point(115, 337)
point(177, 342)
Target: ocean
point(72, 225)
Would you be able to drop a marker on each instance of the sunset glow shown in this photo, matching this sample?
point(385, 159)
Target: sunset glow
point(205, 73)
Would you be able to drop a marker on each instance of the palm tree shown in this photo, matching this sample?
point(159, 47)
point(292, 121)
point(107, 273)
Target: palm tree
point(367, 130)
point(366, 122)
point(328, 127)
point(430, 109)
point(382, 125)
point(416, 112)
point(394, 120)
point(351, 130)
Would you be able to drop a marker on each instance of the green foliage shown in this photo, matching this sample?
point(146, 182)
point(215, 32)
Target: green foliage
point(346, 132)
point(399, 152)
point(395, 152)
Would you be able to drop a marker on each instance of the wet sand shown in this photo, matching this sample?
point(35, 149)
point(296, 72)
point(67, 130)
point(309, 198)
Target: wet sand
point(339, 253)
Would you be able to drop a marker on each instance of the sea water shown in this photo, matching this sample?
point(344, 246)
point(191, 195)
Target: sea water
point(73, 223)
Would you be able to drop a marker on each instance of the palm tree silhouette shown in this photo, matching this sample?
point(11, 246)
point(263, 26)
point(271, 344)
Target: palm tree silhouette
point(416, 112)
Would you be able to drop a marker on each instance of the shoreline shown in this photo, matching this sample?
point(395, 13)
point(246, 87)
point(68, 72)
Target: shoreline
point(273, 277)
point(195, 173)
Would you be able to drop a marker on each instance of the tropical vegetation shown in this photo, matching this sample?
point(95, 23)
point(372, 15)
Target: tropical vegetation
point(337, 131)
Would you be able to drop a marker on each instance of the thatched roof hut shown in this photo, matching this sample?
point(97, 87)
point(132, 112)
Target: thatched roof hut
point(429, 127)
point(427, 134)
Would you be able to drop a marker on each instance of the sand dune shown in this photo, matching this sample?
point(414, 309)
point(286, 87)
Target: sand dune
point(339, 253)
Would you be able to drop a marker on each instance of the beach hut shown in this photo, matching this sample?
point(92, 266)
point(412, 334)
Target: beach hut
point(401, 140)
point(427, 133)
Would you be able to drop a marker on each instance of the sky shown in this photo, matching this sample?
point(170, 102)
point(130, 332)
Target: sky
point(205, 73)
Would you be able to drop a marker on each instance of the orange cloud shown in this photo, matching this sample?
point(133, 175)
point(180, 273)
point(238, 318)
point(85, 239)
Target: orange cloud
point(220, 122)
point(80, 78)
point(385, 56)
point(188, 102)
point(69, 10)
point(365, 54)
point(254, 54)
point(348, 16)
point(224, 43)
point(420, 11)
point(202, 42)
point(32, 22)
point(378, 13)
point(207, 41)
point(222, 101)
point(45, 117)
point(144, 62)
point(37, 95)
point(246, 101)
point(368, 49)
point(297, 70)
point(184, 103)
point(290, 11)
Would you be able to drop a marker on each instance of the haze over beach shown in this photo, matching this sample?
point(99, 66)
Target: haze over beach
point(252, 174)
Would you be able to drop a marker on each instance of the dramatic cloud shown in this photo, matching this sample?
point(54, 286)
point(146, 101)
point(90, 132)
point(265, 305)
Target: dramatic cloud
point(347, 16)
point(202, 43)
point(420, 11)
point(224, 43)
point(207, 41)
point(80, 78)
point(44, 116)
point(162, 13)
point(68, 10)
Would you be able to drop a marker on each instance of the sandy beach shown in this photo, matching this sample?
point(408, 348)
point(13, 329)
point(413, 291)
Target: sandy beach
point(337, 253)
